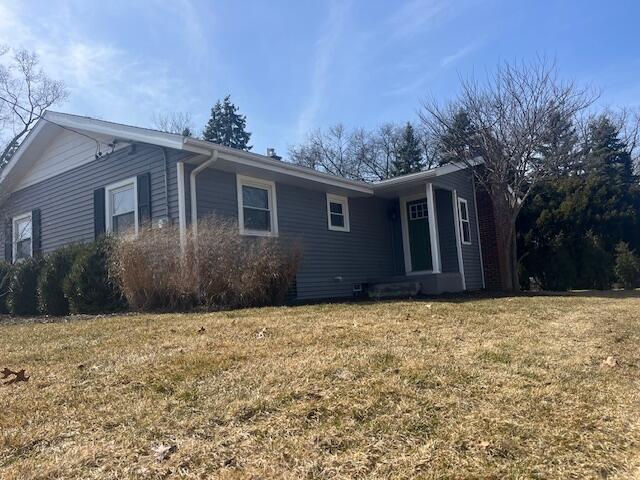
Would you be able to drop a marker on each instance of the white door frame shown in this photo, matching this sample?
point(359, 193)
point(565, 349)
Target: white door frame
point(456, 221)
point(433, 231)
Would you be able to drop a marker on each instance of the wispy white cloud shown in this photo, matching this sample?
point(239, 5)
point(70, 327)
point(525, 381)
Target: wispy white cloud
point(461, 53)
point(325, 48)
point(190, 22)
point(415, 84)
point(104, 80)
point(416, 16)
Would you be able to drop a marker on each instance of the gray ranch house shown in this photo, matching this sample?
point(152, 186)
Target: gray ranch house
point(75, 178)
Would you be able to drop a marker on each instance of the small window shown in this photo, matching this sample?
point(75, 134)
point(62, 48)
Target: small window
point(418, 211)
point(338, 213)
point(22, 231)
point(122, 207)
point(257, 207)
point(465, 225)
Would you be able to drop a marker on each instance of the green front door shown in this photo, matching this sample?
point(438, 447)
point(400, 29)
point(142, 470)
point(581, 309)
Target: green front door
point(419, 239)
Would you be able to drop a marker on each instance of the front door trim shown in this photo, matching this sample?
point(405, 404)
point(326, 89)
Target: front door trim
point(433, 231)
point(406, 247)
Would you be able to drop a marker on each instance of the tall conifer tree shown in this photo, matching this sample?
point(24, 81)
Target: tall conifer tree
point(409, 154)
point(226, 126)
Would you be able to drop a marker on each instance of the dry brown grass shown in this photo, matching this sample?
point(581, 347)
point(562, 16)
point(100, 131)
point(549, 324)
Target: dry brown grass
point(491, 388)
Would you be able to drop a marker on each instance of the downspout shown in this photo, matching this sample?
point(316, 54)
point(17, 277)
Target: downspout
point(166, 185)
point(182, 211)
point(194, 199)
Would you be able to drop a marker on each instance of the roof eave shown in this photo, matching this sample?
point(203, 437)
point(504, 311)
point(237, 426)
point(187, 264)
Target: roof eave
point(263, 162)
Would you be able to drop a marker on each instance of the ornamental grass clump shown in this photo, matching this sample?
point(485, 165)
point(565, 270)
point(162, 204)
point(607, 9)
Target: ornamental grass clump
point(218, 269)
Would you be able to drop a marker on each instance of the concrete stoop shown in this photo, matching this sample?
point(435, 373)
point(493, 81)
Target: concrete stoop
point(394, 289)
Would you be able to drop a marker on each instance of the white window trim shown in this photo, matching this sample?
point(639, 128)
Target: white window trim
point(344, 201)
point(107, 202)
point(462, 221)
point(270, 187)
point(14, 242)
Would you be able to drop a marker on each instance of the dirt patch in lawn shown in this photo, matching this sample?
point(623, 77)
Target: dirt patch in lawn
point(510, 387)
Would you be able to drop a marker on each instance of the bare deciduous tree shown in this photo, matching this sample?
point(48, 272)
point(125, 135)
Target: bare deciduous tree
point(509, 113)
point(328, 151)
point(25, 93)
point(358, 154)
point(173, 122)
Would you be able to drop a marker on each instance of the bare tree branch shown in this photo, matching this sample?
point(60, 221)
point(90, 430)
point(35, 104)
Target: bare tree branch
point(510, 113)
point(173, 122)
point(25, 93)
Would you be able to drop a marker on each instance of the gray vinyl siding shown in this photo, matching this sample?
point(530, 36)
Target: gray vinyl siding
point(446, 230)
point(332, 261)
point(217, 193)
point(462, 182)
point(66, 200)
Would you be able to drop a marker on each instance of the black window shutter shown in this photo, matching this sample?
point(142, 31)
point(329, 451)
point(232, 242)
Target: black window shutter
point(99, 223)
point(144, 199)
point(36, 243)
point(8, 240)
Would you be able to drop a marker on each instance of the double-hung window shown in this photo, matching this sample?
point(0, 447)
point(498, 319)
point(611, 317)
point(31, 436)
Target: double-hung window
point(22, 237)
point(122, 207)
point(338, 213)
point(257, 211)
point(465, 225)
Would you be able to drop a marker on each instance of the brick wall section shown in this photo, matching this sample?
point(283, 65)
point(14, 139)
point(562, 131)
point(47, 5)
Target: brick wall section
point(487, 226)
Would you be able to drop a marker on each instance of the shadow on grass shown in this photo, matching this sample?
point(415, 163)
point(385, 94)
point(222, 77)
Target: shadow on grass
point(464, 297)
point(456, 298)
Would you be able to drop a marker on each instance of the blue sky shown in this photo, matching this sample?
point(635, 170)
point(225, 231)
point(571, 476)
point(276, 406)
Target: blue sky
point(293, 66)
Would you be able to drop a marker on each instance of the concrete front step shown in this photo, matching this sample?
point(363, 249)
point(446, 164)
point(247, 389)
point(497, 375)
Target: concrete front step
point(394, 289)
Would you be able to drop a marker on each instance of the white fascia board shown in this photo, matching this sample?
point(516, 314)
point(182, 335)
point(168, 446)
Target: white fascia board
point(116, 130)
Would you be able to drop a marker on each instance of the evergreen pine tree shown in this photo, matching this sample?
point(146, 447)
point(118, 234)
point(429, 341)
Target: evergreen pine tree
point(409, 154)
point(226, 126)
point(607, 154)
point(570, 226)
point(458, 141)
point(559, 147)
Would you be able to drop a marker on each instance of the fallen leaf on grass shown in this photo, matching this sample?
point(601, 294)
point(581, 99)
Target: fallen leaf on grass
point(19, 376)
point(162, 452)
point(483, 444)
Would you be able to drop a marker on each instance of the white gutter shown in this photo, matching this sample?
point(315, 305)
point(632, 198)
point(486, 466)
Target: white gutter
point(194, 198)
point(425, 174)
point(277, 166)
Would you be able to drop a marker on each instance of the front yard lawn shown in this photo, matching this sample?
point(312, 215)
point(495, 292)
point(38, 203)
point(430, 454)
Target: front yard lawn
point(491, 388)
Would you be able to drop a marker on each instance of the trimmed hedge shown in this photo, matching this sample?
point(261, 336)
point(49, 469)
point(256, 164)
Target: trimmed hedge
point(6, 270)
point(23, 287)
point(55, 269)
point(88, 287)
